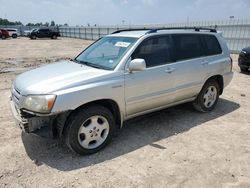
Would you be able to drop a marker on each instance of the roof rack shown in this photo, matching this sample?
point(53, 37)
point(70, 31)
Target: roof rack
point(135, 29)
point(150, 30)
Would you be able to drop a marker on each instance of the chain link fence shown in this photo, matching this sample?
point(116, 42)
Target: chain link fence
point(236, 32)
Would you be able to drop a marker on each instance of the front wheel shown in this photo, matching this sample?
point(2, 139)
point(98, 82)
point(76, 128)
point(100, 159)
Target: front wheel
point(14, 36)
point(89, 129)
point(33, 37)
point(208, 97)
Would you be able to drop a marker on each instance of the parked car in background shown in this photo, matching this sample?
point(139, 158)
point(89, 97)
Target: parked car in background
point(121, 76)
point(44, 33)
point(4, 34)
point(26, 33)
point(14, 33)
point(244, 59)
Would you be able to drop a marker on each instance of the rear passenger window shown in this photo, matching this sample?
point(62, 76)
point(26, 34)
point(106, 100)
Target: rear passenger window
point(213, 46)
point(155, 51)
point(187, 46)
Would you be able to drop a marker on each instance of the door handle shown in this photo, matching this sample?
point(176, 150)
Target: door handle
point(169, 70)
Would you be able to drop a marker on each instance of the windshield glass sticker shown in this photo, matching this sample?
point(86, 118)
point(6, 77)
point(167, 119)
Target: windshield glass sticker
point(122, 44)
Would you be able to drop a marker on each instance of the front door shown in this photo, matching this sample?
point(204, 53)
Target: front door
point(153, 87)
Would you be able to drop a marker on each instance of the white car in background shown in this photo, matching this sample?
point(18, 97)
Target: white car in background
point(14, 33)
point(26, 33)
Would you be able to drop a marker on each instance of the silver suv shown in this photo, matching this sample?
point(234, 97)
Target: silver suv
point(120, 76)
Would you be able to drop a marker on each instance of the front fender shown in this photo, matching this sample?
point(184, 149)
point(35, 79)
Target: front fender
point(70, 99)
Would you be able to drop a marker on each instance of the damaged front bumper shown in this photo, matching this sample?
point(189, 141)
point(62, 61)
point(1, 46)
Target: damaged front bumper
point(30, 123)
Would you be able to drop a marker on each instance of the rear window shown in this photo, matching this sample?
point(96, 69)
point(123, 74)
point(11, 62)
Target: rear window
point(212, 44)
point(187, 46)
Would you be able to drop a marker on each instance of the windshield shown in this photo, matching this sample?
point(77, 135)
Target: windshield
point(106, 52)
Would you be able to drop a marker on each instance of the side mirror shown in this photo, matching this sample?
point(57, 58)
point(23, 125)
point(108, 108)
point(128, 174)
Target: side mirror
point(137, 65)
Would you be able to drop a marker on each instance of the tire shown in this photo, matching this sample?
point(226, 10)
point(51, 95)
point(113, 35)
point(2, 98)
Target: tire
point(14, 36)
point(3, 37)
point(33, 37)
point(243, 69)
point(89, 129)
point(208, 97)
point(54, 37)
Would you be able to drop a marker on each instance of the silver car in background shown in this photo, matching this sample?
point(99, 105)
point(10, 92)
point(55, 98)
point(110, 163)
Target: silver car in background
point(121, 76)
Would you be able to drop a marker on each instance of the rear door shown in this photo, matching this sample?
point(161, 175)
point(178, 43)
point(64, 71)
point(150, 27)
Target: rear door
point(151, 88)
point(216, 63)
point(190, 70)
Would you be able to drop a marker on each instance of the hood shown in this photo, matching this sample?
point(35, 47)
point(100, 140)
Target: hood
point(50, 78)
point(247, 50)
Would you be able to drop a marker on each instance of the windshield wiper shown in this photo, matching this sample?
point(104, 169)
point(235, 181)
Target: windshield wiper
point(74, 60)
point(93, 65)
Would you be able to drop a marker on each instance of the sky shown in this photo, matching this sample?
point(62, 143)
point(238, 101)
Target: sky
point(117, 12)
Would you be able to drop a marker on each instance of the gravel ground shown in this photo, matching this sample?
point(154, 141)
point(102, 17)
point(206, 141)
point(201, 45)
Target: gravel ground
point(176, 147)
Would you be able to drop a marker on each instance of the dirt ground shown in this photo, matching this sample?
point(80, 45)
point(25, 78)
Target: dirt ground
point(176, 147)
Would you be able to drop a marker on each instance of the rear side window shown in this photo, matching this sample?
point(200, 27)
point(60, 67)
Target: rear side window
point(155, 51)
point(187, 46)
point(212, 44)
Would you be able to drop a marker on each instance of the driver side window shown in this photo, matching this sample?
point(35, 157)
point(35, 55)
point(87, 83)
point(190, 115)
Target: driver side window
point(155, 51)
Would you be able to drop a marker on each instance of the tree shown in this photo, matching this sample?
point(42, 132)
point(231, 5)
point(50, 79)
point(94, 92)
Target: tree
point(52, 23)
point(7, 22)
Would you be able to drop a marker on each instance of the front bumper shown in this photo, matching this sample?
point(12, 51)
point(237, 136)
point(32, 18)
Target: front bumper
point(32, 123)
point(19, 121)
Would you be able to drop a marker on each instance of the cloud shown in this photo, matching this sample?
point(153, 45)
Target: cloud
point(150, 2)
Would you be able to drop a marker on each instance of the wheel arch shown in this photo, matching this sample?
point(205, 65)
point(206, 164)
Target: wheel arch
point(219, 79)
point(108, 103)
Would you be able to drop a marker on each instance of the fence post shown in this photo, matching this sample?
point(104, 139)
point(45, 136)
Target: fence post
point(85, 32)
point(92, 33)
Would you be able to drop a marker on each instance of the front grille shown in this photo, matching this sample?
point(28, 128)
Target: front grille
point(16, 95)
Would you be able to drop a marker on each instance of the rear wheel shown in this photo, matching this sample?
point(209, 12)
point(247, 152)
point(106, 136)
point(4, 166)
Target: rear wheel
point(3, 37)
point(54, 37)
point(14, 36)
point(89, 129)
point(208, 97)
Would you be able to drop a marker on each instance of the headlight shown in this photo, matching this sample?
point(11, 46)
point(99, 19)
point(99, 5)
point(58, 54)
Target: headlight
point(39, 103)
